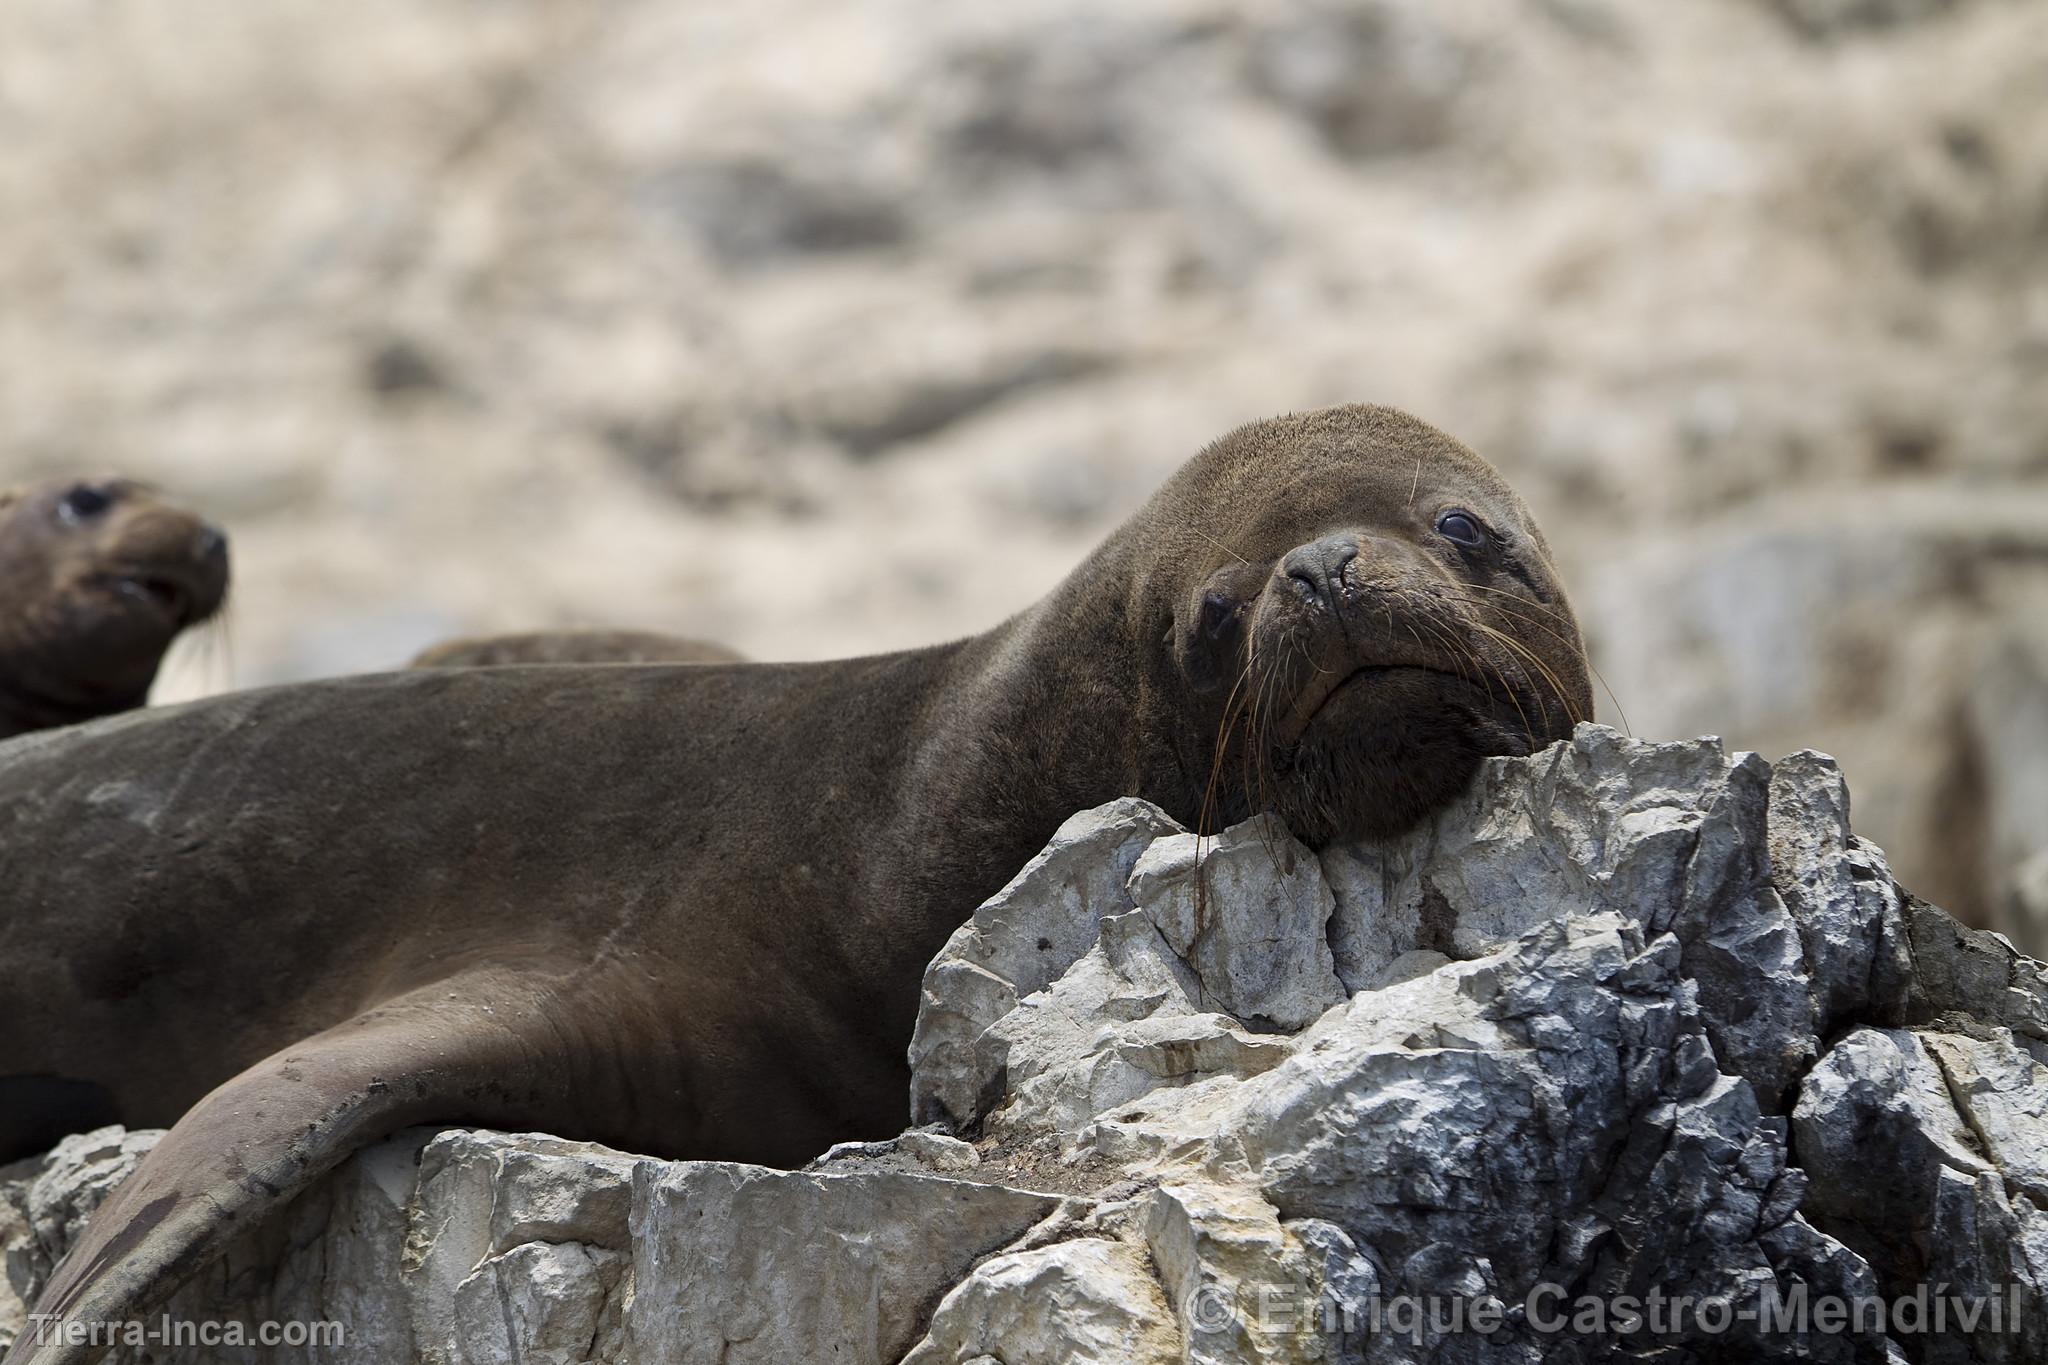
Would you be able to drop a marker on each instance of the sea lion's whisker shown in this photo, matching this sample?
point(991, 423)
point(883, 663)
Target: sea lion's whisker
point(1253, 760)
point(1266, 802)
point(1569, 643)
point(1444, 632)
point(1516, 647)
point(1531, 660)
point(1219, 545)
point(1230, 707)
point(1204, 836)
point(1520, 600)
point(1481, 674)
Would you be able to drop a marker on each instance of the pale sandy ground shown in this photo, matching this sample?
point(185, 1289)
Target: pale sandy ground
point(826, 328)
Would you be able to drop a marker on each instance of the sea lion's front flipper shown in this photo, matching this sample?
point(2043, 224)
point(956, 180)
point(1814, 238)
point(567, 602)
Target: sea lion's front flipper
point(463, 1050)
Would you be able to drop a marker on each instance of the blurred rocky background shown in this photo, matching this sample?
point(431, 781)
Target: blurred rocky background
point(822, 329)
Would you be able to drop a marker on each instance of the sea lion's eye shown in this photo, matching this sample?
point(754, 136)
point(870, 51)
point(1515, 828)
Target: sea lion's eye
point(1217, 614)
point(1462, 529)
point(82, 502)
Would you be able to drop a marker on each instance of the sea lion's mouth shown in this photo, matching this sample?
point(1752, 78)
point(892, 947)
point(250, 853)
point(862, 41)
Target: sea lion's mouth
point(1326, 688)
point(167, 596)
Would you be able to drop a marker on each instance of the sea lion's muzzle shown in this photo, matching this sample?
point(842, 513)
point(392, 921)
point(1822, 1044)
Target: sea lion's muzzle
point(173, 564)
point(1368, 669)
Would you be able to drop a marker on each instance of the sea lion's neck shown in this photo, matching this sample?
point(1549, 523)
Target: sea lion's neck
point(1021, 727)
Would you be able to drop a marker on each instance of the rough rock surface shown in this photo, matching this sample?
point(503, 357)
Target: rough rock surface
point(1628, 1023)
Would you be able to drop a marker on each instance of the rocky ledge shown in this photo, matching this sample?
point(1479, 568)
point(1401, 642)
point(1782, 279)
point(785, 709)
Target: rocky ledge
point(1630, 1024)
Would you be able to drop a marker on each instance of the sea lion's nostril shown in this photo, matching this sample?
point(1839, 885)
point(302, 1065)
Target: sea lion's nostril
point(1318, 567)
point(211, 544)
point(1304, 566)
point(1340, 551)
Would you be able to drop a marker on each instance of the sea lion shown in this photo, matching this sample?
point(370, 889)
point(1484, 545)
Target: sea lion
point(573, 647)
point(97, 577)
point(685, 911)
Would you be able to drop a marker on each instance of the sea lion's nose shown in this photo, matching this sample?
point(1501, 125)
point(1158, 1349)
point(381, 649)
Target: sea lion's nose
point(1317, 568)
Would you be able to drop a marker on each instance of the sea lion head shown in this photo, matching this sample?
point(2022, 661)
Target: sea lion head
point(1359, 609)
point(97, 577)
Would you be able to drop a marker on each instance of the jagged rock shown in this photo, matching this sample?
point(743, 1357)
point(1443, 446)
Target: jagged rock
point(1018, 942)
point(1550, 1113)
point(1219, 1246)
point(466, 1247)
point(1585, 996)
point(549, 1303)
point(1851, 916)
point(1626, 1023)
point(48, 1200)
point(1925, 1155)
point(739, 1264)
point(527, 1238)
point(1089, 1301)
point(1246, 912)
point(1671, 836)
point(1968, 972)
point(916, 1149)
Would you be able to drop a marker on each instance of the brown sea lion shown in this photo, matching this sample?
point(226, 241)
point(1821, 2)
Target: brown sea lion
point(685, 911)
point(97, 577)
point(573, 647)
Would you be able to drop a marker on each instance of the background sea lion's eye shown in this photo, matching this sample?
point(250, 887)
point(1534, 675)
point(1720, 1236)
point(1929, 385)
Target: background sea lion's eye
point(1461, 529)
point(83, 502)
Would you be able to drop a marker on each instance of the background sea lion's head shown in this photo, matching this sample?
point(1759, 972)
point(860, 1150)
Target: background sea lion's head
point(97, 577)
point(1361, 609)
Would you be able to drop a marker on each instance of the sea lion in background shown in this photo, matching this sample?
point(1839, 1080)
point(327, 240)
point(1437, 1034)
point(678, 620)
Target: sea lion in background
point(97, 577)
point(685, 911)
point(573, 647)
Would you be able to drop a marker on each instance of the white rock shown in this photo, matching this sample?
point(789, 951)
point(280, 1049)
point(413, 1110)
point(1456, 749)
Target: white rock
point(1670, 836)
point(1082, 1302)
point(736, 1264)
point(1239, 1281)
point(545, 1303)
point(526, 1236)
point(1019, 941)
point(1246, 911)
point(1119, 1024)
point(44, 1205)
